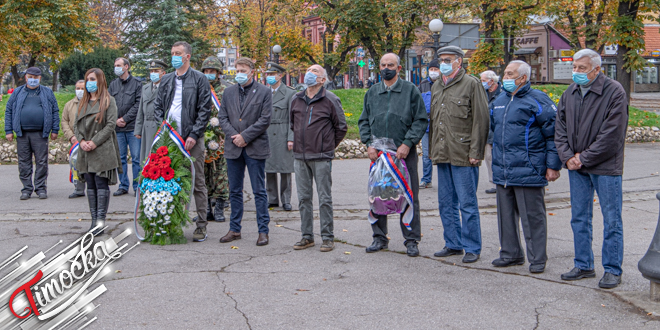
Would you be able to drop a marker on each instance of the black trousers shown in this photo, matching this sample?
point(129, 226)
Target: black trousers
point(528, 205)
point(28, 145)
point(380, 227)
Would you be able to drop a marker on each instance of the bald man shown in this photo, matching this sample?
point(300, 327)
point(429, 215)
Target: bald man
point(394, 108)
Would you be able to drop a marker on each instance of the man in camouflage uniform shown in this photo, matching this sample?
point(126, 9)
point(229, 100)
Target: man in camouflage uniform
point(215, 169)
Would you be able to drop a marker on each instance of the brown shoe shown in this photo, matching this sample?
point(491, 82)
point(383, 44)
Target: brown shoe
point(303, 244)
point(231, 236)
point(262, 240)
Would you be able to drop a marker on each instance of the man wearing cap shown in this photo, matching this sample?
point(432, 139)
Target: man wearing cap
point(68, 123)
point(458, 134)
point(215, 164)
point(146, 124)
point(127, 92)
point(425, 89)
point(32, 113)
point(280, 138)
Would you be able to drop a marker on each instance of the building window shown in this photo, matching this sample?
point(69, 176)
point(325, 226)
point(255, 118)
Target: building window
point(648, 75)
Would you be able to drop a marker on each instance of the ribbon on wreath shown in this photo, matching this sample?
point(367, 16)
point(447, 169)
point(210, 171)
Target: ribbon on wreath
point(214, 99)
point(165, 128)
point(396, 173)
point(73, 172)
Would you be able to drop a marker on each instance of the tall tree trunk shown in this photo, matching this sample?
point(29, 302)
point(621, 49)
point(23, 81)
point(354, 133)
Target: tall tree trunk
point(55, 76)
point(18, 80)
point(623, 76)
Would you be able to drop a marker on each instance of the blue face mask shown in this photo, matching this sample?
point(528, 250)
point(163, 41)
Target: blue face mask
point(177, 61)
point(119, 71)
point(210, 76)
point(154, 76)
point(241, 78)
point(581, 78)
point(271, 80)
point(310, 79)
point(485, 84)
point(446, 69)
point(33, 82)
point(509, 85)
point(91, 86)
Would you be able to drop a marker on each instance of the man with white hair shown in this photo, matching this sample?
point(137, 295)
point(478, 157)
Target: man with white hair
point(318, 125)
point(592, 120)
point(491, 83)
point(524, 161)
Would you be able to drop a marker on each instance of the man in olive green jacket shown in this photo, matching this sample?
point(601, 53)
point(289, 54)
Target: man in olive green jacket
point(457, 136)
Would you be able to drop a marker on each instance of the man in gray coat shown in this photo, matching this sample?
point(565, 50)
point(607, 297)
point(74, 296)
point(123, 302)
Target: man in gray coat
point(244, 117)
point(146, 124)
point(280, 138)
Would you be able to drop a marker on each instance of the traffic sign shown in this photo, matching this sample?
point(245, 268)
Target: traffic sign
point(360, 52)
point(361, 63)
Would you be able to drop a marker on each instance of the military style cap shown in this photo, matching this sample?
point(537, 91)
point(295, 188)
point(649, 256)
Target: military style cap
point(157, 64)
point(212, 62)
point(452, 50)
point(273, 67)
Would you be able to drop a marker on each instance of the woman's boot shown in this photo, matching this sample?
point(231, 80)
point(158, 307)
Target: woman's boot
point(93, 209)
point(103, 198)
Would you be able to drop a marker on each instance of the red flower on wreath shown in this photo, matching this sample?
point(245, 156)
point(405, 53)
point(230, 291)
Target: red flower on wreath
point(153, 157)
point(162, 151)
point(167, 173)
point(145, 171)
point(164, 162)
point(154, 172)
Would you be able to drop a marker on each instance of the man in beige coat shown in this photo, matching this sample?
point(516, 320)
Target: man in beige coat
point(68, 122)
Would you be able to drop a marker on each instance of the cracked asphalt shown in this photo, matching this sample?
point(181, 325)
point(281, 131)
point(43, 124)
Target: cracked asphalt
point(209, 285)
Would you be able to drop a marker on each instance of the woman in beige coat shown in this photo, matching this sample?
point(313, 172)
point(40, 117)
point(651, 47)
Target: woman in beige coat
point(98, 158)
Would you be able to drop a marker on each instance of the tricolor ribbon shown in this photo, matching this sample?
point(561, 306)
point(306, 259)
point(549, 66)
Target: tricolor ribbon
point(165, 128)
point(214, 99)
point(74, 149)
point(397, 174)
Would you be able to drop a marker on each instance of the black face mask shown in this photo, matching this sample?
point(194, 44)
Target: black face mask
point(388, 74)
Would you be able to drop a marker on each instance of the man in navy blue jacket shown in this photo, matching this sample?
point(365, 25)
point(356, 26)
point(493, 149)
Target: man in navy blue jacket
point(524, 160)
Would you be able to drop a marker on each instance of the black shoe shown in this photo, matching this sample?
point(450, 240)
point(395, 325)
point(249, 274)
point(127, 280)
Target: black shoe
point(25, 196)
point(273, 205)
point(76, 195)
point(577, 274)
point(491, 191)
point(287, 207)
point(609, 281)
point(470, 258)
point(219, 211)
point(537, 268)
point(506, 262)
point(412, 250)
point(209, 211)
point(376, 246)
point(42, 195)
point(120, 192)
point(446, 252)
point(194, 219)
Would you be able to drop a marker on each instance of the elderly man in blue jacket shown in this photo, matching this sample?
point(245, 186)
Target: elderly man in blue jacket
point(32, 113)
point(524, 160)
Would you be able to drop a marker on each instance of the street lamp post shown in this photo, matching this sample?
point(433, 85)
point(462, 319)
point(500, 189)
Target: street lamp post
point(277, 49)
point(436, 26)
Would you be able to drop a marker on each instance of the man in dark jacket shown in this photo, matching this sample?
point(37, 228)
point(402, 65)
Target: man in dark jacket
point(592, 120)
point(490, 81)
point(524, 160)
point(184, 99)
point(244, 117)
point(425, 89)
point(318, 125)
point(394, 108)
point(32, 113)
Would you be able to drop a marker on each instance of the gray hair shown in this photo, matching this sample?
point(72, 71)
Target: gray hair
point(186, 46)
point(81, 81)
point(490, 75)
point(124, 60)
point(398, 59)
point(594, 56)
point(523, 69)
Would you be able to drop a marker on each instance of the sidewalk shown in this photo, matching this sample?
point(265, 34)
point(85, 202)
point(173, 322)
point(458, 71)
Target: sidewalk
point(210, 285)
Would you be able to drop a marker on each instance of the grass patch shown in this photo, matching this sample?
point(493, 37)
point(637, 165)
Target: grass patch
point(352, 100)
point(639, 118)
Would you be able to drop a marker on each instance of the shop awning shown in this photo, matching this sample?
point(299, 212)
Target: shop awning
point(525, 51)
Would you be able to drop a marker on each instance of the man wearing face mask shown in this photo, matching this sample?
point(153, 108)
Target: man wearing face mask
point(490, 81)
point(280, 138)
point(184, 100)
point(394, 108)
point(32, 113)
point(146, 125)
point(458, 134)
point(127, 92)
point(244, 117)
point(68, 123)
point(590, 133)
point(425, 89)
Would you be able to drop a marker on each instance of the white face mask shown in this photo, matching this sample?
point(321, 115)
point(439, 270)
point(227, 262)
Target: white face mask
point(80, 93)
point(434, 75)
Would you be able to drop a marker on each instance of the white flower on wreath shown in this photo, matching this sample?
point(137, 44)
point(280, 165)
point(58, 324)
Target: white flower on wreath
point(167, 218)
point(215, 122)
point(170, 198)
point(214, 145)
point(161, 194)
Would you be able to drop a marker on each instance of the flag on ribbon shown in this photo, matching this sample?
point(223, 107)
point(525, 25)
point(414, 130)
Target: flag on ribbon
point(396, 172)
point(73, 157)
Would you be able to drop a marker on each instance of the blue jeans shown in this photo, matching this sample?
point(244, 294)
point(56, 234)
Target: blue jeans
point(610, 195)
point(427, 164)
point(127, 139)
point(457, 190)
point(236, 174)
